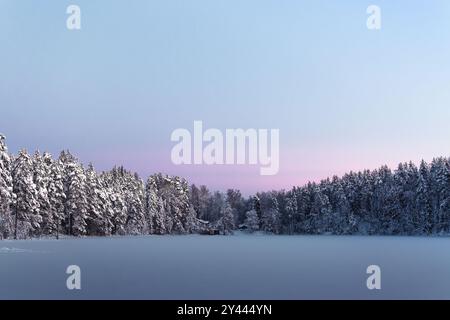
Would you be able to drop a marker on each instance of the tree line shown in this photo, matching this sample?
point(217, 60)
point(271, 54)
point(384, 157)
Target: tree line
point(43, 196)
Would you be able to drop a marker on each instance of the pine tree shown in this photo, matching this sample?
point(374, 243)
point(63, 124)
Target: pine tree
point(423, 199)
point(135, 198)
point(76, 204)
point(441, 183)
point(257, 208)
point(320, 211)
point(173, 211)
point(114, 188)
point(26, 207)
point(56, 195)
point(302, 199)
point(405, 185)
point(6, 190)
point(445, 195)
point(290, 213)
point(237, 203)
point(194, 198)
point(155, 208)
point(270, 215)
point(341, 208)
point(204, 196)
point(192, 222)
point(41, 178)
point(119, 210)
point(252, 221)
point(99, 206)
point(226, 222)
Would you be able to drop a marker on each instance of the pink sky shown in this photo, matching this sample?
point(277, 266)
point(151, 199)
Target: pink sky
point(296, 168)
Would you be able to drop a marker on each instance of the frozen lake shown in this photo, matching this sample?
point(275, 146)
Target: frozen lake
point(233, 267)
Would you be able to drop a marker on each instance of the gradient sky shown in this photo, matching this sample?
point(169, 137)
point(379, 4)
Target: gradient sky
point(344, 98)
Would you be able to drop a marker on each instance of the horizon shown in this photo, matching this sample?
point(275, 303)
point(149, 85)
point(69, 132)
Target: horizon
point(144, 177)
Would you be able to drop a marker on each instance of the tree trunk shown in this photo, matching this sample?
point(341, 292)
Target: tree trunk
point(15, 225)
point(70, 224)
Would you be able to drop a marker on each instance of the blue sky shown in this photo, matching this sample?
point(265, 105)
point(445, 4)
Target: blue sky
point(344, 98)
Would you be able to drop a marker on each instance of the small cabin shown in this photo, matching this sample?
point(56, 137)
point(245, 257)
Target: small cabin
point(206, 228)
point(210, 232)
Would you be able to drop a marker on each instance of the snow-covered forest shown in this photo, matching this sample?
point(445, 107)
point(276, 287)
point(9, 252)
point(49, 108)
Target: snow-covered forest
point(44, 196)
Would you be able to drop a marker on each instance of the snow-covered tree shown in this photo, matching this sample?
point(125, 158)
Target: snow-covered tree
point(6, 190)
point(119, 210)
point(439, 188)
point(26, 206)
point(341, 208)
point(303, 198)
point(290, 213)
point(251, 221)
point(172, 207)
point(192, 222)
point(153, 207)
point(405, 185)
point(237, 203)
point(423, 202)
point(167, 203)
point(200, 200)
point(76, 204)
point(214, 206)
point(114, 188)
point(41, 178)
point(257, 207)
point(270, 215)
point(39, 195)
point(226, 222)
point(56, 195)
point(99, 206)
point(444, 203)
point(130, 190)
point(135, 198)
point(320, 212)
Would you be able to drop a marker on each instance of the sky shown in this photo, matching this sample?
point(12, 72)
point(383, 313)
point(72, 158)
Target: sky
point(343, 97)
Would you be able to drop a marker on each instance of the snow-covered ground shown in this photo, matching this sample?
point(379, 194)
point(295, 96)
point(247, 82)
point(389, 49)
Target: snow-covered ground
point(231, 267)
